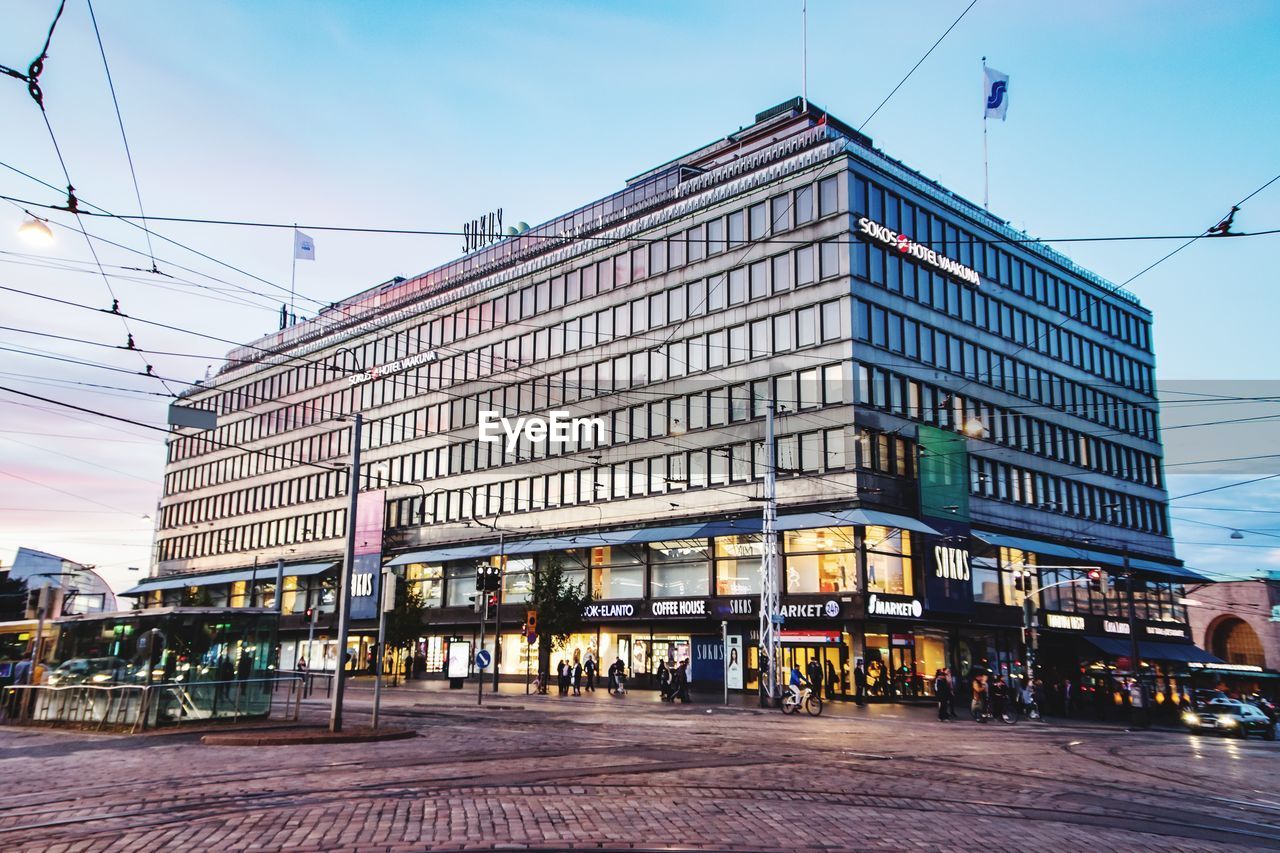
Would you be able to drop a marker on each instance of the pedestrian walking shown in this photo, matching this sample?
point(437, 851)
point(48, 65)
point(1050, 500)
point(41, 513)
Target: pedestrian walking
point(590, 669)
point(832, 679)
point(664, 681)
point(577, 678)
point(859, 682)
point(978, 704)
point(942, 689)
point(617, 673)
point(562, 678)
point(999, 696)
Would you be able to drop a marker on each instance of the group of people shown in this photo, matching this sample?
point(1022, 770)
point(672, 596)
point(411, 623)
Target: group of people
point(673, 682)
point(991, 695)
point(576, 675)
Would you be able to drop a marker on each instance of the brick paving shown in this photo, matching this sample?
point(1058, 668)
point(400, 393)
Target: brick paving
point(597, 773)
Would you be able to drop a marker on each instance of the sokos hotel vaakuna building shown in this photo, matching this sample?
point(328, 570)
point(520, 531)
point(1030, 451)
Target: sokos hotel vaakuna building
point(958, 407)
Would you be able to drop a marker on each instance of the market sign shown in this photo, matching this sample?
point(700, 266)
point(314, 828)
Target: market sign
point(906, 246)
point(829, 609)
point(896, 606)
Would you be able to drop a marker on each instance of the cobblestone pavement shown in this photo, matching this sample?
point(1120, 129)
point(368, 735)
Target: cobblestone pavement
point(551, 773)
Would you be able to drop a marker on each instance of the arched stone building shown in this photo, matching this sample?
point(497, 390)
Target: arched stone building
point(1233, 620)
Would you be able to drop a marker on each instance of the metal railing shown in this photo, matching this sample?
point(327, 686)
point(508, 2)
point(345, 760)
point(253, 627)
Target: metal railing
point(309, 678)
point(135, 707)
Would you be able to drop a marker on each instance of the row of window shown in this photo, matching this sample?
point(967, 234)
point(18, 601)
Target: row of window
point(889, 271)
point(894, 332)
point(998, 265)
point(726, 231)
point(801, 391)
point(921, 401)
point(793, 330)
point(814, 561)
point(619, 322)
point(298, 529)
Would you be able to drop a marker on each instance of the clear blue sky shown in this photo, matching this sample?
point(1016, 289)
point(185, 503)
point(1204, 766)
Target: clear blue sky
point(1125, 118)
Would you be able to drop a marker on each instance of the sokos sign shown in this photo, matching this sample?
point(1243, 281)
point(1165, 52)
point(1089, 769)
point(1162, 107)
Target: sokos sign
point(907, 246)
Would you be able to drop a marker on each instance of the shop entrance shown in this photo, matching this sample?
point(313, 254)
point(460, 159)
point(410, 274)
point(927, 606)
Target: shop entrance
point(832, 657)
point(901, 662)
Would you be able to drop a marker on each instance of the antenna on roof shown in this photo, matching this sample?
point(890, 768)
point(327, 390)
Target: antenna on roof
point(804, 56)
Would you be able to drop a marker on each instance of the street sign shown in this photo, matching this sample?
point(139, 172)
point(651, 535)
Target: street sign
point(483, 659)
point(779, 619)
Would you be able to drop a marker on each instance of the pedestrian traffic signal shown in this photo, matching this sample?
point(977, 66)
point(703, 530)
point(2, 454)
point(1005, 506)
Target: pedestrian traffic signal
point(1019, 580)
point(491, 606)
point(1097, 581)
point(310, 612)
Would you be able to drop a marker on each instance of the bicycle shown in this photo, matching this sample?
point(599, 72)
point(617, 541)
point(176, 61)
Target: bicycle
point(812, 702)
point(979, 712)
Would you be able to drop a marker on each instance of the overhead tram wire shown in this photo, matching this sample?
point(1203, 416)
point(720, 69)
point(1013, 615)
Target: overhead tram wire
point(919, 62)
point(71, 206)
point(115, 102)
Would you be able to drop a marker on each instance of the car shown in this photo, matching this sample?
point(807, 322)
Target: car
point(1225, 716)
point(87, 671)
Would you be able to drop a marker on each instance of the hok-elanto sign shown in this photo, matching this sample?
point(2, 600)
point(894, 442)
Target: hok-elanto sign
point(557, 428)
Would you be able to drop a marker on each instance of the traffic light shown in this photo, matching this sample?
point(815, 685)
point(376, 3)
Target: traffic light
point(477, 602)
point(491, 606)
point(488, 577)
point(310, 612)
point(1019, 580)
point(1097, 581)
point(531, 623)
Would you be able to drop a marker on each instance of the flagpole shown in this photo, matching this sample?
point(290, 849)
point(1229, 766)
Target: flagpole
point(986, 205)
point(293, 272)
point(804, 55)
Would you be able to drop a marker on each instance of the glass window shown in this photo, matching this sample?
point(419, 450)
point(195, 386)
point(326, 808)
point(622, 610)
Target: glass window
point(758, 224)
point(781, 273)
point(804, 205)
point(429, 580)
point(617, 572)
point(828, 196)
point(804, 266)
point(679, 568)
point(737, 228)
point(821, 560)
point(889, 561)
point(986, 580)
point(715, 236)
point(738, 565)
point(779, 214)
point(461, 586)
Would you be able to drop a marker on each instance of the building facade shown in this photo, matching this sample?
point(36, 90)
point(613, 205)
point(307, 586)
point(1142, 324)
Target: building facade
point(965, 420)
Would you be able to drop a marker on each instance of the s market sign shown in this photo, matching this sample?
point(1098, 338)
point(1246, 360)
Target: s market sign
point(902, 608)
point(905, 245)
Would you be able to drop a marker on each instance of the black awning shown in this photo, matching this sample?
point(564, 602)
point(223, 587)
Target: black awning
point(1178, 652)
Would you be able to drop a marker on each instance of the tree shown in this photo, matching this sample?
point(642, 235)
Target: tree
point(558, 602)
point(404, 622)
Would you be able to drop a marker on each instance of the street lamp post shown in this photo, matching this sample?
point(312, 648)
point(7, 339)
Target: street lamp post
point(344, 579)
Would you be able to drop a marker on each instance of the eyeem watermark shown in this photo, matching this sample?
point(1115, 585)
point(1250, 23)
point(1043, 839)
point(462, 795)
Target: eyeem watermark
point(556, 428)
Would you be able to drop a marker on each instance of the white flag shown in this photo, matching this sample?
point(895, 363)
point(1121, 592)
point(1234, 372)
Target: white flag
point(304, 248)
point(997, 90)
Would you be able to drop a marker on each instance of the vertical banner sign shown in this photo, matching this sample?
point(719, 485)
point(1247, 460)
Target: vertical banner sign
point(707, 662)
point(366, 574)
point(733, 671)
point(948, 580)
point(944, 474)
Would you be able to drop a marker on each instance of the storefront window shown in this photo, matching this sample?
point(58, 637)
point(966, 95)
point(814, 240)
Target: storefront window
point(518, 656)
point(461, 586)
point(429, 581)
point(671, 649)
point(985, 574)
point(292, 601)
point(240, 594)
point(617, 572)
point(517, 577)
point(889, 561)
point(821, 560)
point(621, 644)
point(738, 564)
point(1013, 561)
point(679, 569)
point(574, 564)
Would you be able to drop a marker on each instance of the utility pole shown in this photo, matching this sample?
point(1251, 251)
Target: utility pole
point(482, 599)
point(769, 599)
point(279, 608)
point(1135, 661)
point(344, 579)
